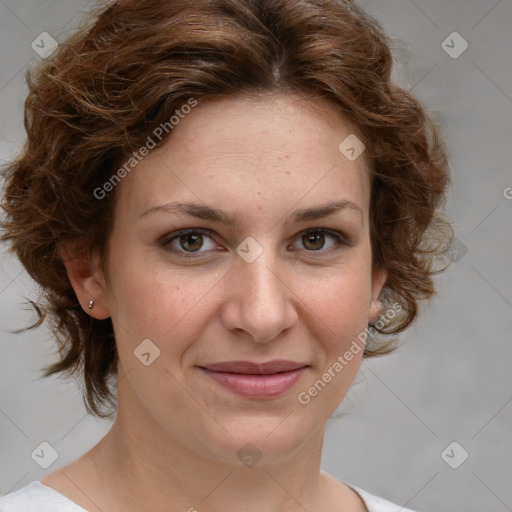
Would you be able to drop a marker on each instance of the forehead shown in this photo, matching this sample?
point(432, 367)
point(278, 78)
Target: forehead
point(264, 152)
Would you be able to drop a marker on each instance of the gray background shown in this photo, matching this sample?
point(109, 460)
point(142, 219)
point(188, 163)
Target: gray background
point(450, 381)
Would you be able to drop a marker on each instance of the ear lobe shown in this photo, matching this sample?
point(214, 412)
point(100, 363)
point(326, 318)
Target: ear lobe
point(87, 281)
point(376, 309)
point(379, 276)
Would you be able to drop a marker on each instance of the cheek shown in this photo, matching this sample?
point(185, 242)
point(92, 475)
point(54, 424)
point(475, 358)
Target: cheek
point(340, 301)
point(160, 303)
point(339, 311)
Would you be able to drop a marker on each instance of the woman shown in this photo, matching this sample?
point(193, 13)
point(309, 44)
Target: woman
point(224, 202)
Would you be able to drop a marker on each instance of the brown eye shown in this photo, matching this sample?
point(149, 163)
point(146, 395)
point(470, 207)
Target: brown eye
point(316, 239)
point(313, 242)
point(191, 242)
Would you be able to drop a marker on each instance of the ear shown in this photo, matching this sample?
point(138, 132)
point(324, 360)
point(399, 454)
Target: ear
point(379, 276)
point(87, 280)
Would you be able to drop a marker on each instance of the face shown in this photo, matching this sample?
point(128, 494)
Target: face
point(283, 281)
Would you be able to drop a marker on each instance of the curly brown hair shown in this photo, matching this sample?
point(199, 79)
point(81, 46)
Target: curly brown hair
point(126, 70)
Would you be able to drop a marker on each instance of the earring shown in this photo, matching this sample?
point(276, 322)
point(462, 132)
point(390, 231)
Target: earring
point(91, 304)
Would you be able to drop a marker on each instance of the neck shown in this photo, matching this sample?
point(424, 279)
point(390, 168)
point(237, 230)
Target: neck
point(141, 471)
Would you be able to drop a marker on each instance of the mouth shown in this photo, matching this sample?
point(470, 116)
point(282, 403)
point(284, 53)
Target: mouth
point(256, 380)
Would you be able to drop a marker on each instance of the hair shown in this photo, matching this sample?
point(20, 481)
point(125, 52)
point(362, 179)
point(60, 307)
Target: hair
point(126, 70)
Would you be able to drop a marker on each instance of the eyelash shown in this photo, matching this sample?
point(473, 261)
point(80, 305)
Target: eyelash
point(340, 239)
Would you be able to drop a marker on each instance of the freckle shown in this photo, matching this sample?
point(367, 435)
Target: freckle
point(177, 287)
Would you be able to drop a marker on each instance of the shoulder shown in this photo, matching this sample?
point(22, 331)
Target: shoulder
point(376, 503)
point(36, 497)
point(370, 502)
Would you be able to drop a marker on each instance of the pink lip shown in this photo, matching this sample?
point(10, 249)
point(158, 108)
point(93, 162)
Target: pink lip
point(256, 380)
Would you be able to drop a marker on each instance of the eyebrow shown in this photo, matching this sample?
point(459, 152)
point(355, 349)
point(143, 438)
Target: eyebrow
point(214, 214)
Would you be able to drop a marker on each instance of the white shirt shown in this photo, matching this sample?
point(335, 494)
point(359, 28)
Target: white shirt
point(36, 497)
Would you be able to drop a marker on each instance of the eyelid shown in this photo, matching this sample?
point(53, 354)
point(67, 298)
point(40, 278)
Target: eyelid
point(166, 240)
point(341, 240)
point(339, 235)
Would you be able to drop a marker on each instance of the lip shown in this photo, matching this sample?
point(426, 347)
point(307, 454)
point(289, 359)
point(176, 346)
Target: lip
point(256, 380)
point(250, 367)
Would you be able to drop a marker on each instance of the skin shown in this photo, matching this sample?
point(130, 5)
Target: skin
point(174, 443)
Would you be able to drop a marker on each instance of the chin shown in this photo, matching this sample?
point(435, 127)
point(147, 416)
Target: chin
point(259, 439)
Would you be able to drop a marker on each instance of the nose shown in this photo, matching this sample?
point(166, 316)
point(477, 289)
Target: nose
point(260, 302)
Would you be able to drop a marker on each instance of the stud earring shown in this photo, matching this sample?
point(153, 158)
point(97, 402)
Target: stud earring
point(91, 304)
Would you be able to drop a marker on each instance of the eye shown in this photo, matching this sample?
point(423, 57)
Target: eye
point(314, 239)
point(189, 241)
